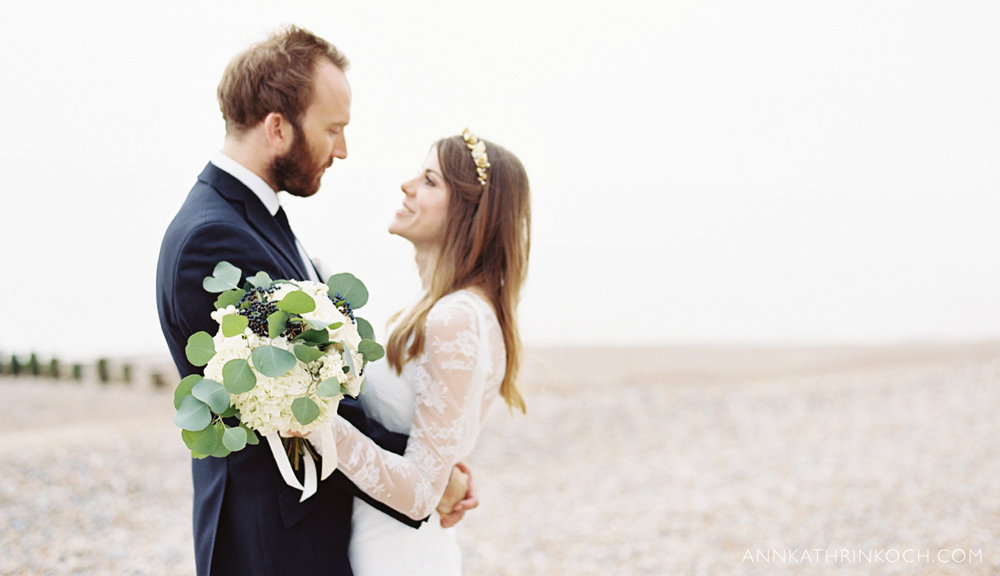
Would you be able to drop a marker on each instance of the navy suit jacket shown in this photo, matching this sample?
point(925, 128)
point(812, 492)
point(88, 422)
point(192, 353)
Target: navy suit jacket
point(247, 521)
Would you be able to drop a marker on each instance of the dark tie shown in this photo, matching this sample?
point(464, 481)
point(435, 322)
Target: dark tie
point(282, 219)
point(287, 228)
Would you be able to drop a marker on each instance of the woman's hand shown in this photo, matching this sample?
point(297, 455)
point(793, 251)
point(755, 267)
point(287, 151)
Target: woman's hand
point(459, 497)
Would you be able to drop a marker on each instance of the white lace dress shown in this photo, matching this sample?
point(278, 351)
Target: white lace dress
point(440, 400)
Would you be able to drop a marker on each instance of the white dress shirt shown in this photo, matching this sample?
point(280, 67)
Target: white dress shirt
point(267, 196)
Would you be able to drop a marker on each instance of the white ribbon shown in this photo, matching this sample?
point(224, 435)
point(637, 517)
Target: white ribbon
point(285, 467)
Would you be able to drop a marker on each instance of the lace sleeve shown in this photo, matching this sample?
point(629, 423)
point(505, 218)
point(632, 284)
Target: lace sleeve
point(449, 393)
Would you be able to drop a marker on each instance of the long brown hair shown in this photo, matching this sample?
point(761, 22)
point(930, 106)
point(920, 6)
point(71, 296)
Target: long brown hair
point(486, 244)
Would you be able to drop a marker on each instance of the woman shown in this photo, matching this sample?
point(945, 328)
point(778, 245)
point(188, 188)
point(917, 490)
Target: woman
point(449, 356)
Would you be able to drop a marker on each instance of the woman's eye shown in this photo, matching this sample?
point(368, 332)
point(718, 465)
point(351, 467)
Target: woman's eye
point(429, 181)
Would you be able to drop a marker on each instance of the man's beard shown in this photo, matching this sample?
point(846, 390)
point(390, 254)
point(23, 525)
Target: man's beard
point(296, 172)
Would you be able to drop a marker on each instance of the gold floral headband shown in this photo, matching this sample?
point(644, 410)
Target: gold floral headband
point(478, 154)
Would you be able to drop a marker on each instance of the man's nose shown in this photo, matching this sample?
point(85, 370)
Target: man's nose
point(340, 147)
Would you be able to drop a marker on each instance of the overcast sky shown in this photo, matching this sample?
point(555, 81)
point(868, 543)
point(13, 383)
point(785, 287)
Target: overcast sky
point(810, 172)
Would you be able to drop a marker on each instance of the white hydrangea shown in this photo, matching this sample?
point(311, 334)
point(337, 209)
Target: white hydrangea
point(221, 313)
point(268, 406)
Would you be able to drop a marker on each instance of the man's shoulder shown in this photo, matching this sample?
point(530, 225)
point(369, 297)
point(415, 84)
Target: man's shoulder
point(204, 209)
point(207, 225)
point(204, 203)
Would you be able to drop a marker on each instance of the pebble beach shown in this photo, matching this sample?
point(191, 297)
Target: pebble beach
point(674, 460)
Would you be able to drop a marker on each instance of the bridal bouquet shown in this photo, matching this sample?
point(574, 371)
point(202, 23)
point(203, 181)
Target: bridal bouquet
point(284, 355)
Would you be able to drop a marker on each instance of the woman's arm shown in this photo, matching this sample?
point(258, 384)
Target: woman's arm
point(449, 394)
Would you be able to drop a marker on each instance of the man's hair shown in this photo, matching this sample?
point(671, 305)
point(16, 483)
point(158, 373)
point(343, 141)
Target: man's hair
point(275, 75)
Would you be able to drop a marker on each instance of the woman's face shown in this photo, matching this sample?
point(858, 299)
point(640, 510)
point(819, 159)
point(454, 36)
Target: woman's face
point(421, 220)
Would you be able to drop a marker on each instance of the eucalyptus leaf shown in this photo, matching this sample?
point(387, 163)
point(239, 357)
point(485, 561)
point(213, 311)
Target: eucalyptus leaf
point(365, 329)
point(364, 385)
point(260, 280)
point(272, 362)
point(276, 323)
point(192, 414)
point(349, 288)
point(229, 298)
point(349, 364)
point(234, 439)
point(184, 388)
point(317, 324)
point(202, 442)
point(221, 451)
point(297, 302)
point(234, 324)
point(305, 410)
point(212, 393)
point(251, 435)
point(307, 354)
point(315, 336)
point(231, 411)
point(238, 377)
point(200, 348)
point(371, 350)
point(224, 277)
point(329, 388)
point(197, 455)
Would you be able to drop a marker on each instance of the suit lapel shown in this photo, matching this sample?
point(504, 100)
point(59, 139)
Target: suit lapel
point(256, 215)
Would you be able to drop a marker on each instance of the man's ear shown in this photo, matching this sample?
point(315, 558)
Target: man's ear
point(279, 132)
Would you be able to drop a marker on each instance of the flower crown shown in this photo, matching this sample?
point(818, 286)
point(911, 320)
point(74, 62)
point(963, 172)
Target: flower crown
point(478, 154)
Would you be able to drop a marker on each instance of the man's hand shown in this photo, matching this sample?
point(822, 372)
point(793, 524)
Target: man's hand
point(459, 497)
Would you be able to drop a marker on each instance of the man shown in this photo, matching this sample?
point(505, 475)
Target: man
point(286, 103)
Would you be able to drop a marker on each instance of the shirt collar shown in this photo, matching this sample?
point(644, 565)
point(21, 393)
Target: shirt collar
point(255, 183)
